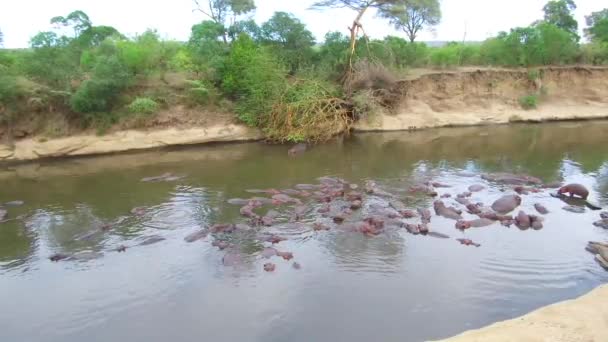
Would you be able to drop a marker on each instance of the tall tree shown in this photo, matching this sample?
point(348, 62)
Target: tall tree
point(290, 35)
point(597, 23)
point(560, 14)
point(78, 20)
point(387, 8)
point(415, 16)
point(221, 11)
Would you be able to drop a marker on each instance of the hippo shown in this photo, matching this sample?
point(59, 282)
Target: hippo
point(465, 194)
point(139, 211)
point(601, 223)
point(442, 210)
point(541, 209)
point(522, 220)
point(474, 209)
point(462, 225)
point(506, 204)
point(220, 244)
point(536, 222)
point(463, 201)
point(201, 234)
point(308, 187)
point(425, 215)
point(354, 196)
point(269, 267)
point(297, 149)
point(446, 196)
point(406, 213)
point(356, 205)
point(574, 209)
point(232, 259)
point(574, 190)
point(247, 211)
point(222, 228)
point(508, 178)
point(481, 222)
point(468, 242)
point(476, 188)
point(267, 221)
point(317, 226)
point(521, 190)
point(59, 256)
point(423, 229)
point(269, 252)
point(438, 235)
point(283, 199)
point(274, 239)
point(412, 228)
point(440, 185)
point(296, 266)
point(604, 215)
point(397, 205)
point(291, 192)
point(285, 255)
point(121, 249)
point(150, 240)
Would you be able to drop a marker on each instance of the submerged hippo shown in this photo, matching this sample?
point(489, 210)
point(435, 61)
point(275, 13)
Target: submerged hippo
point(506, 204)
point(574, 190)
point(297, 149)
point(425, 215)
point(447, 212)
point(468, 242)
point(541, 209)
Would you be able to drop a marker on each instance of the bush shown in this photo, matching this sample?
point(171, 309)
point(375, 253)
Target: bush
point(143, 105)
point(254, 78)
point(595, 53)
point(528, 102)
point(99, 93)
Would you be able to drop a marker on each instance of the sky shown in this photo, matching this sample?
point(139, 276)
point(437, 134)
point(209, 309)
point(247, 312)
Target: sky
point(22, 19)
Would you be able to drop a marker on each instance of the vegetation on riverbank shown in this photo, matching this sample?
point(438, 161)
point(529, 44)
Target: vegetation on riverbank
point(274, 76)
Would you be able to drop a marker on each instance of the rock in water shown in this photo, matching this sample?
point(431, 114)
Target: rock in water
point(506, 204)
point(574, 209)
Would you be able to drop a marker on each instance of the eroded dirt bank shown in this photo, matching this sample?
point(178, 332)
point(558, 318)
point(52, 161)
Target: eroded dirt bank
point(428, 99)
point(581, 319)
point(489, 96)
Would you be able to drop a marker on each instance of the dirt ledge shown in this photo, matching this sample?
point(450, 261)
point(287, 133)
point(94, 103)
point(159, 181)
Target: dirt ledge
point(130, 140)
point(581, 319)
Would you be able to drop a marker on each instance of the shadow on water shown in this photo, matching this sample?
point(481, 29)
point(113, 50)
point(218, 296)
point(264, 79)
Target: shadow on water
point(395, 286)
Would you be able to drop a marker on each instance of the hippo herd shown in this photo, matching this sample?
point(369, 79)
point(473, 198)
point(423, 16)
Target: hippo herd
point(334, 204)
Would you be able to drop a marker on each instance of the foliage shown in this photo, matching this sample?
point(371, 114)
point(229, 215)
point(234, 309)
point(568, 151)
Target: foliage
point(455, 54)
point(99, 93)
point(307, 110)
point(289, 39)
point(254, 78)
point(595, 53)
point(528, 102)
point(414, 16)
point(219, 11)
point(597, 25)
point(143, 105)
point(560, 14)
point(206, 49)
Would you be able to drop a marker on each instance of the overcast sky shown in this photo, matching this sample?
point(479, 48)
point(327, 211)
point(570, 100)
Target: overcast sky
point(21, 19)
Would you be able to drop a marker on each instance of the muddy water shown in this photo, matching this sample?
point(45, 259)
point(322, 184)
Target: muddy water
point(391, 287)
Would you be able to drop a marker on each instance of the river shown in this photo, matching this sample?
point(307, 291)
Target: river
point(351, 287)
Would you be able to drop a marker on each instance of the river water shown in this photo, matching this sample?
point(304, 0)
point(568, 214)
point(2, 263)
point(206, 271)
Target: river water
point(351, 287)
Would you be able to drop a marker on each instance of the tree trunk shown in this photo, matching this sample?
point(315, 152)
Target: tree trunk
point(354, 32)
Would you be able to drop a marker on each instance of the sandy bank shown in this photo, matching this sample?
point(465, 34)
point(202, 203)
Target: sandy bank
point(581, 319)
point(31, 149)
point(488, 96)
point(428, 99)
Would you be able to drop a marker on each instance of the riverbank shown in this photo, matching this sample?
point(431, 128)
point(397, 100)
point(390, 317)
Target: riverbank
point(581, 319)
point(427, 99)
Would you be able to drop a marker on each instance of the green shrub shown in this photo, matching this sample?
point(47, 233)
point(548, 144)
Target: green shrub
point(143, 105)
point(528, 102)
point(254, 78)
point(99, 93)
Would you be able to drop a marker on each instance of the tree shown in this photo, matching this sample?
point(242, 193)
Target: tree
point(597, 23)
point(78, 20)
point(290, 36)
point(559, 13)
point(387, 8)
point(220, 11)
point(415, 16)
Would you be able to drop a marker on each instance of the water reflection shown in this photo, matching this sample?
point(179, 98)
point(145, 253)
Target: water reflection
point(347, 280)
